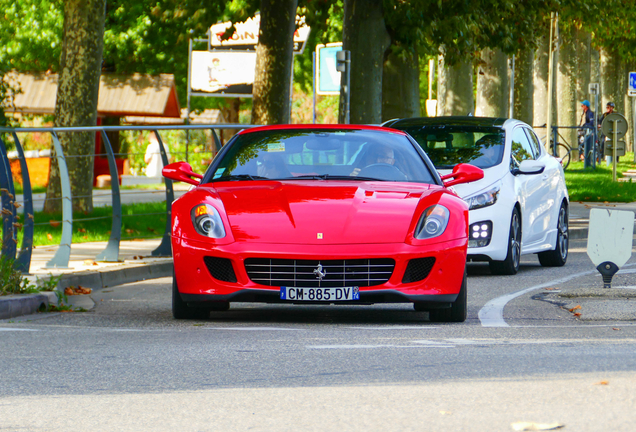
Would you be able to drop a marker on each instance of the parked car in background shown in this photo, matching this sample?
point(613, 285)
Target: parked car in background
point(520, 206)
point(320, 214)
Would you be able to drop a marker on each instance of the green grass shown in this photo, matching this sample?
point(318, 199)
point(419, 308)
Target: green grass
point(135, 225)
point(596, 185)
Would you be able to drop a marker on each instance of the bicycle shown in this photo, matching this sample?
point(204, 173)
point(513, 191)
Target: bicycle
point(563, 151)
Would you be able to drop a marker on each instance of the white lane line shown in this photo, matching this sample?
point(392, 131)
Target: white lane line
point(342, 347)
point(491, 315)
point(253, 328)
point(392, 327)
point(16, 329)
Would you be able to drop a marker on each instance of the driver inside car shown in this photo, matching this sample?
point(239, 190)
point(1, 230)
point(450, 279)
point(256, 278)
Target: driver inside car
point(378, 154)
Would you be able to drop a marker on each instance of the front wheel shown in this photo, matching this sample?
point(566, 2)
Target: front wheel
point(558, 256)
point(510, 265)
point(181, 310)
point(458, 310)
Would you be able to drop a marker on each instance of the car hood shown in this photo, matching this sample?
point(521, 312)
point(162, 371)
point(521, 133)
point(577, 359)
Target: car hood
point(321, 212)
point(491, 176)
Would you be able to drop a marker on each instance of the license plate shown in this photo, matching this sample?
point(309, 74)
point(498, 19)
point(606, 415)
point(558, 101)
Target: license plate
point(319, 294)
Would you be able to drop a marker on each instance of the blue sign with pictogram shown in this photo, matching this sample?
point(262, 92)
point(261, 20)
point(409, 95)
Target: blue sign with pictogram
point(631, 90)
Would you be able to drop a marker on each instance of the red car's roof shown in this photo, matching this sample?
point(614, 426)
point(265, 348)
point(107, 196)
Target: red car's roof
point(322, 126)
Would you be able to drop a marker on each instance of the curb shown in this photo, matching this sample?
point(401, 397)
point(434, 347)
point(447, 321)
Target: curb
point(27, 304)
point(578, 233)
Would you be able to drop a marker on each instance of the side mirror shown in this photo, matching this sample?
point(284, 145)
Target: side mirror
point(529, 167)
point(463, 173)
point(181, 171)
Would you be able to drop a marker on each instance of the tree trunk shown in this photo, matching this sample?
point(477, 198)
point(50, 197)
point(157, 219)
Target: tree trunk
point(583, 56)
point(365, 35)
point(524, 87)
point(540, 80)
point(230, 112)
point(274, 60)
point(401, 84)
point(77, 91)
point(492, 84)
point(568, 112)
point(611, 71)
point(455, 89)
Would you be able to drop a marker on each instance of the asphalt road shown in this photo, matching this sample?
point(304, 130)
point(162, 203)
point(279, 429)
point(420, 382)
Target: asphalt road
point(127, 365)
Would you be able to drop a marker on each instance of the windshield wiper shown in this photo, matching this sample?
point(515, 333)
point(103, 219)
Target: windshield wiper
point(332, 177)
point(236, 177)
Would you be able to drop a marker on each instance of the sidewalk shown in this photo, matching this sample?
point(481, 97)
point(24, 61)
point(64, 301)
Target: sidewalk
point(137, 264)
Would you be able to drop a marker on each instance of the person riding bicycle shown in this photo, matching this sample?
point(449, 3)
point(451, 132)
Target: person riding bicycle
point(610, 109)
point(587, 125)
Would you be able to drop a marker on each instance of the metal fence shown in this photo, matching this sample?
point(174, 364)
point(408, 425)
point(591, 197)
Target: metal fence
point(10, 204)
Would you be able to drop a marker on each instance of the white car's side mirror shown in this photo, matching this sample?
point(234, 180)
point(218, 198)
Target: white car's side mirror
point(530, 167)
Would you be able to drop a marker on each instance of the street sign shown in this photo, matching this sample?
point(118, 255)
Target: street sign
point(593, 88)
point(223, 73)
point(631, 89)
point(327, 74)
point(609, 242)
point(611, 121)
point(245, 35)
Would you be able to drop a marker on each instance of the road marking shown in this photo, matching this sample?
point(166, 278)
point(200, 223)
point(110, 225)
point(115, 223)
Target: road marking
point(424, 327)
point(491, 315)
point(342, 347)
point(16, 329)
point(253, 328)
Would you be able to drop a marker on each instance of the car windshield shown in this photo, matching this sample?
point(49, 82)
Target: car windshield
point(448, 146)
point(299, 154)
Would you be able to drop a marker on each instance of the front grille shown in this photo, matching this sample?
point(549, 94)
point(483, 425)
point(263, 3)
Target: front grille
point(220, 268)
point(418, 269)
point(303, 273)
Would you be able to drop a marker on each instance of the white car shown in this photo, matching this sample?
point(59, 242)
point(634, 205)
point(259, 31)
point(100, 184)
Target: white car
point(520, 206)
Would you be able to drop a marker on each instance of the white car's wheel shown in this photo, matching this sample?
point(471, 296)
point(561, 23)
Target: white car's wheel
point(558, 256)
point(510, 265)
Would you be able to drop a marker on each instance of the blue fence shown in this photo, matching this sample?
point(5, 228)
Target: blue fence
point(10, 220)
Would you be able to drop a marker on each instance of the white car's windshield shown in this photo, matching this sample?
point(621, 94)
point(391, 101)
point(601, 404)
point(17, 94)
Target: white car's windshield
point(278, 154)
point(448, 146)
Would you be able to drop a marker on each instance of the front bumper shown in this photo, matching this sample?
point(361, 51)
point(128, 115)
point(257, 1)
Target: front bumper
point(441, 286)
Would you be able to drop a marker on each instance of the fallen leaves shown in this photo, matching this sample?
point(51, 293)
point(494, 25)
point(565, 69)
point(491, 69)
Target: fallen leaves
point(79, 290)
point(529, 426)
point(49, 236)
point(602, 383)
point(138, 257)
point(551, 289)
point(575, 308)
point(90, 262)
point(615, 328)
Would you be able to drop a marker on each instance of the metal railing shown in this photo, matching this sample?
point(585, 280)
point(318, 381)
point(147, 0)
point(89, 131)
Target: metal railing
point(556, 139)
point(9, 204)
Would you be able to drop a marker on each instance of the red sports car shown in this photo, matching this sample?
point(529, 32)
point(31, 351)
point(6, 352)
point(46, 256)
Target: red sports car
point(320, 214)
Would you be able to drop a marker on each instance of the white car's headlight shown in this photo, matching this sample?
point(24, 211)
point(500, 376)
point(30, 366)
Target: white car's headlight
point(432, 223)
point(207, 221)
point(483, 199)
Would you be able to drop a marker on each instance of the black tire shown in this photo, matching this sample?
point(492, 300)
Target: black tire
point(510, 265)
point(558, 256)
point(458, 310)
point(180, 309)
point(221, 306)
point(564, 153)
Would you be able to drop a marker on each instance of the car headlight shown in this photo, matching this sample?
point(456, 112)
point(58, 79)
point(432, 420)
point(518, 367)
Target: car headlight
point(207, 221)
point(432, 223)
point(483, 199)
